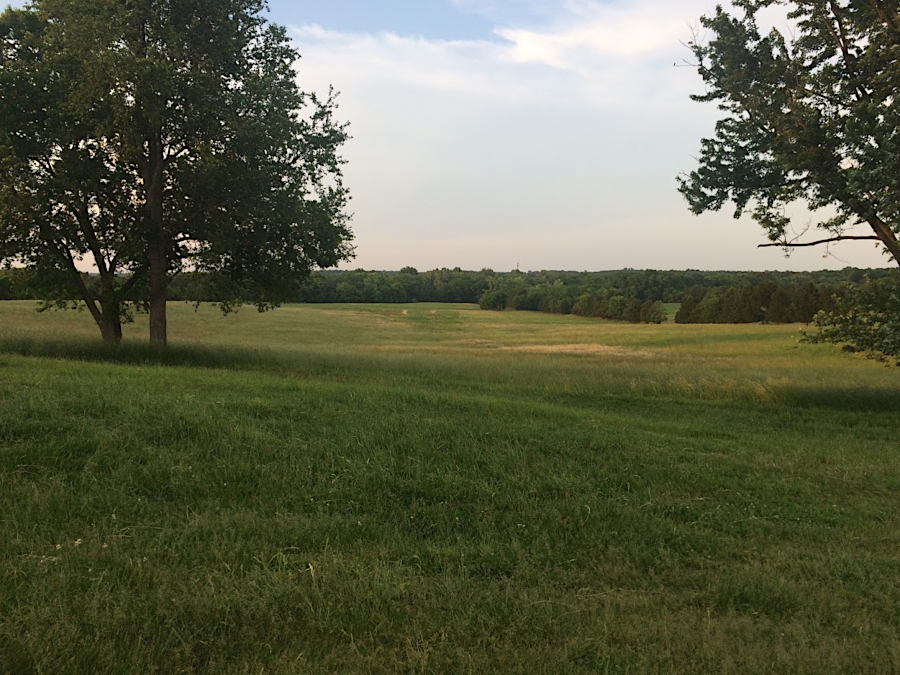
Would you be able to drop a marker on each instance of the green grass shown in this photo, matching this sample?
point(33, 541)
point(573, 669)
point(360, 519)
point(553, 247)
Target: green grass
point(437, 489)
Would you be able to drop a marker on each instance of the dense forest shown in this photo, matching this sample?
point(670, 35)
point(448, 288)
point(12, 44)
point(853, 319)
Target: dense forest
point(626, 295)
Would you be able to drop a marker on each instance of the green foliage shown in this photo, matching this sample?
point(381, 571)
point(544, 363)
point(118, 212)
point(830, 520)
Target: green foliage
point(710, 308)
point(17, 284)
point(653, 311)
point(591, 304)
point(689, 303)
point(805, 303)
point(752, 303)
point(492, 299)
point(779, 309)
point(153, 137)
point(809, 117)
point(616, 307)
point(866, 319)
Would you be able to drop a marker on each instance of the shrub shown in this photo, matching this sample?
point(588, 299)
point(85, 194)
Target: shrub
point(493, 299)
point(866, 319)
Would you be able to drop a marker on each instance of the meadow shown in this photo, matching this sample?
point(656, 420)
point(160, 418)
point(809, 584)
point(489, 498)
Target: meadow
point(439, 489)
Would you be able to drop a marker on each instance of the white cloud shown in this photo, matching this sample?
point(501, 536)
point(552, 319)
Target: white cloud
point(603, 55)
point(595, 35)
point(555, 145)
point(386, 58)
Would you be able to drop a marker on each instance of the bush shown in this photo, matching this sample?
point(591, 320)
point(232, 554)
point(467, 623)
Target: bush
point(653, 312)
point(866, 319)
point(493, 299)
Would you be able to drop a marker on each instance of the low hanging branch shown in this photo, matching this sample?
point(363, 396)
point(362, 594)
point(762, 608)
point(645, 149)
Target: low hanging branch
point(820, 241)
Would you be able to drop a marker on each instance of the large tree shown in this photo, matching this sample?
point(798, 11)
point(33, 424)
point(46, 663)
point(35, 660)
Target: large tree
point(813, 116)
point(152, 136)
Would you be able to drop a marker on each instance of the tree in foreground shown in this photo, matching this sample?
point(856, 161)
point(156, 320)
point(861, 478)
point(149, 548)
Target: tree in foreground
point(812, 118)
point(149, 137)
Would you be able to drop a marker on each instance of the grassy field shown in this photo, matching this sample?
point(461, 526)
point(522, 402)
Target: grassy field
point(437, 489)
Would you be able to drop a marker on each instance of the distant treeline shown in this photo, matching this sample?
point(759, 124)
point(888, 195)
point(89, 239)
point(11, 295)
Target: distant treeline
point(330, 286)
point(705, 297)
point(766, 301)
point(629, 295)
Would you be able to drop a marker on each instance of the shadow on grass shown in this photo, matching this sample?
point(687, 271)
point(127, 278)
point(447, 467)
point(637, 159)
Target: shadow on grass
point(843, 399)
point(191, 356)
point(358, 367)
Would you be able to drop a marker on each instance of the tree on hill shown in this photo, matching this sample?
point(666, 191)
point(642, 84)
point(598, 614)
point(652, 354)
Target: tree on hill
point(814, 118)
point(692, 298)
point(779, 309)
point(805, 303)
point(745, 304)
point(149, 137)
point(653, 311)
point(709, 310)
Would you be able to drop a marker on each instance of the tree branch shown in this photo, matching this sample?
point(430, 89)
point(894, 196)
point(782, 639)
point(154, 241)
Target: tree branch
point(83, 218)
point(133, 279)
point(886, 235)
point(892, 20)
point(848, 237)
point(171, 154)
point(66, 253)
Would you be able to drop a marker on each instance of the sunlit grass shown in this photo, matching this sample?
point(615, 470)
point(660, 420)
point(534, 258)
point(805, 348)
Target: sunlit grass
point(432, 488)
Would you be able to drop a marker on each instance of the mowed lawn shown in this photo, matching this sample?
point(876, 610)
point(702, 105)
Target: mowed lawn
point(438, 489)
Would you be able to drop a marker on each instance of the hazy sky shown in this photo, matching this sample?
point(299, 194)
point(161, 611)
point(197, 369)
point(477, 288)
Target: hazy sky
point(546, 134)
point(543, 133)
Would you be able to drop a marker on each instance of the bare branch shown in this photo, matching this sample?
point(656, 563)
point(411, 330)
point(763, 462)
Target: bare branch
point(787, 244)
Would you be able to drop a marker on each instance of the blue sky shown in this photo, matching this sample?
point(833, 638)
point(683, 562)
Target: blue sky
point(432, 18)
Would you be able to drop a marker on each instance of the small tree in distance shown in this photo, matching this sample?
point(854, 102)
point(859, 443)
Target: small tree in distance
point(813, 118)
point(152, 136)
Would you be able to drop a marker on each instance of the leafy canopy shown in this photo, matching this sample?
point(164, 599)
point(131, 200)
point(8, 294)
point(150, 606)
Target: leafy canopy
point(810, 116)
point(149, 137)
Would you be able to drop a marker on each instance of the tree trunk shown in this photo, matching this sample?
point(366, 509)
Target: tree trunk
point(887, 236)
point(111, 330)
point(110, 325)
point(107, 315)
point(158, 271)
point(157, 244)
point(107, 307)
point(110, 317)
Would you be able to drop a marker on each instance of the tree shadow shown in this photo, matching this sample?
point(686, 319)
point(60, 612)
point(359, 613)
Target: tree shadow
point(191, 356)
point(843, 399)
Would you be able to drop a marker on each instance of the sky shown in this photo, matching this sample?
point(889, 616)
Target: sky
point(539, 134)
point(530, 134)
